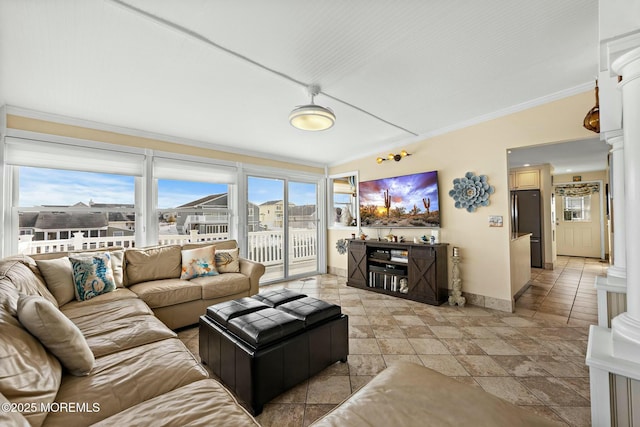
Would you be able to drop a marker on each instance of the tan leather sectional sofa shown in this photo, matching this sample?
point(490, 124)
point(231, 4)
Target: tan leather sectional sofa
point(137, 372)
point(153, 274)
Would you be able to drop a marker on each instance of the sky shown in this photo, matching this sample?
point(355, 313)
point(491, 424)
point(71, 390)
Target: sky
point(39, 186)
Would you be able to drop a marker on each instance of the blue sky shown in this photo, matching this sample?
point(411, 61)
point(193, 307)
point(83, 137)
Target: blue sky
point(59, 187)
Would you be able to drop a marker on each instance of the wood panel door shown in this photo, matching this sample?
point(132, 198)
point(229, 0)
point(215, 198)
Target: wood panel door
point(357, 264)
point(423, 273)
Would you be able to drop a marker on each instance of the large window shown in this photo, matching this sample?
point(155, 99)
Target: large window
point(187, 208)
point(63, 209)
point(68, 195)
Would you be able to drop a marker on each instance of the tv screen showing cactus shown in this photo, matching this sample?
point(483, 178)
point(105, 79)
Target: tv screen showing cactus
point(401, 201)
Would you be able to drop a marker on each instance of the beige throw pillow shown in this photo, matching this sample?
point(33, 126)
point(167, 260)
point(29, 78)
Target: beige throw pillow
point(228, 260)
point(59, 277)
point(57, 333)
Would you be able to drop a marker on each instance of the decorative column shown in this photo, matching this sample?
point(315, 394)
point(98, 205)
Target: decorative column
point(626, 327)
point(619, 268)
point(456, 283)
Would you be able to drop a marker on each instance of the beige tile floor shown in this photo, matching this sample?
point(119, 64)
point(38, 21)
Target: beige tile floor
point(533, 358)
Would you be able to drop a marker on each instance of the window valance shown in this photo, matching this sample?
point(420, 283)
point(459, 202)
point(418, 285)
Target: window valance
point(578, 189)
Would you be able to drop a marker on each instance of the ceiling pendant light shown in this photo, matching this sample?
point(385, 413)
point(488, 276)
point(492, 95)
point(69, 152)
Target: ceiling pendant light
point(312, 117)
point(592, 119)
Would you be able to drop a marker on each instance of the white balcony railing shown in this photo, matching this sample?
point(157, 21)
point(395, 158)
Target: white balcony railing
point(266, 247)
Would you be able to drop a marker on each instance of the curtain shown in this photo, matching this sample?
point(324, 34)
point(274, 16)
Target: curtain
point(578, 189)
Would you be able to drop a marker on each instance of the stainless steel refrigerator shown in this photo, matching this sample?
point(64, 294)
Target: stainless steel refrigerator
point(526, 217)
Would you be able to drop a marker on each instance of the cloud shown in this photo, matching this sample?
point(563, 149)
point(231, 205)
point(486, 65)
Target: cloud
point(59, 187)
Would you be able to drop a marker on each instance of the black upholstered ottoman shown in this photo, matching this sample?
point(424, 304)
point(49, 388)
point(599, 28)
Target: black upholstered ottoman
point(261, 346)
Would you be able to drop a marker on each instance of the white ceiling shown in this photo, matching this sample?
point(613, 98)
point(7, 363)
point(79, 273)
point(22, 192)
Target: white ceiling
point(566, 157)
point(228, 73)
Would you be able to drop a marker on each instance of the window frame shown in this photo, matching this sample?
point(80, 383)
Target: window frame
point(145, 186)
point(584, 209)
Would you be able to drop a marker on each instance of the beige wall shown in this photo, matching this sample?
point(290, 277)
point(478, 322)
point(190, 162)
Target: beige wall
point(60, 129)
point(485, 264)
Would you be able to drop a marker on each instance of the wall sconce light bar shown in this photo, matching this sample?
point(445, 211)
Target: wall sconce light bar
point(391, 156)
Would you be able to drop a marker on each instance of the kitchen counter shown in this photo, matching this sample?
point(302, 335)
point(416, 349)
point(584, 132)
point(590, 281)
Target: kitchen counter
point(520, 251)
point(516, 236)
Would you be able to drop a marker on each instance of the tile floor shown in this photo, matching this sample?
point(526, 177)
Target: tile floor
point(533, 358)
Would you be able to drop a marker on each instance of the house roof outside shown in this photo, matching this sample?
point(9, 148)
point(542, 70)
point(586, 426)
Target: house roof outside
point(70, 220)
point(212, 200)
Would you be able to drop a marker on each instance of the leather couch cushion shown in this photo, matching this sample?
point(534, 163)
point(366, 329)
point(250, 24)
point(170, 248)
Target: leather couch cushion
point(222, 285)
point(56, 332)
point(123, 334)
point(28, 372)
point(406, 394)
point(109, 309)
point(11, 418)
point(124, 379)
point(202, 403)
point(122, 324)
point(59, 277)
point(156, 263)
point(21, 271)
point(118, 299)
point(162, 293)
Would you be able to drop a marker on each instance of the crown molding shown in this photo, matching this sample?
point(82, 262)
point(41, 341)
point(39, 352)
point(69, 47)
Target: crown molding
point(585, 87)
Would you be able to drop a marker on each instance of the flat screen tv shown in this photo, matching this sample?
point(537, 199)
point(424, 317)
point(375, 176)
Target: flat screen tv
point(401, 201)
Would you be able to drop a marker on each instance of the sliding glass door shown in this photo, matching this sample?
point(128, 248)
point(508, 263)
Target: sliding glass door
point(282, 226)
point(303, 228)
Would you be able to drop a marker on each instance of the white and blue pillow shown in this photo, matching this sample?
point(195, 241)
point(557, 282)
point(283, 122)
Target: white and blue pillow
point(92, 275)
point(198, 262)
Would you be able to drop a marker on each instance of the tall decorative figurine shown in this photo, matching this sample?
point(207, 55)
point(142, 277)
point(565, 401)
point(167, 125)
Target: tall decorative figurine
point(456, 294)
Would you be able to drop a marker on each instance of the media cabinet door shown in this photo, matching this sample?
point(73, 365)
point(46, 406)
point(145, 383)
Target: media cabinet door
point(423, 273)
point(357, 264)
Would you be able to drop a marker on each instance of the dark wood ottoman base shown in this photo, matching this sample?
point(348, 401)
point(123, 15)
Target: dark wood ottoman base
point(257, 375)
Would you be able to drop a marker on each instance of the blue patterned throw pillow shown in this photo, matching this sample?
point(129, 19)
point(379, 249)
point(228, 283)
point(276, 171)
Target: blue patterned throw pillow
point(198, 263)
point(92, 275)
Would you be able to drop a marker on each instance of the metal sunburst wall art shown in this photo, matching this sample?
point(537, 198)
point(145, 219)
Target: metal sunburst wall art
point(342, 246)
point(471, 191)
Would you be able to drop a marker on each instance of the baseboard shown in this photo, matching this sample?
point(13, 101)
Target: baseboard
point(489, 302)
point(342, 272)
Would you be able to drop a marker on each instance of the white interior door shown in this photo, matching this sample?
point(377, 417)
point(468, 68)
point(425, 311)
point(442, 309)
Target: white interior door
point(579, 226)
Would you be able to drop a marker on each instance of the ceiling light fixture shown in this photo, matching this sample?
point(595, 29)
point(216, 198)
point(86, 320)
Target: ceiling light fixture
point(312, 117)
point(391, 156)
point(592, 119)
